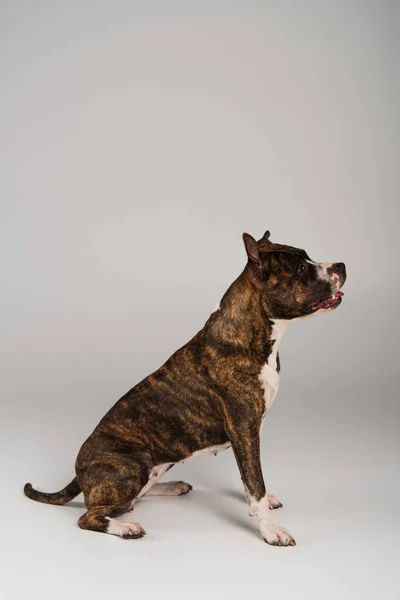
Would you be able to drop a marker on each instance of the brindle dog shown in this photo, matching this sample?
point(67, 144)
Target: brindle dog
point(213, 393)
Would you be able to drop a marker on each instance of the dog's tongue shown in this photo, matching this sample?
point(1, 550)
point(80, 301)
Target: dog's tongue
point(326, 303)
point(332, 299)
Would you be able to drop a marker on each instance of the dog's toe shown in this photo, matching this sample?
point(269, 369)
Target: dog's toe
point(182, 487)
point(276, 536)
point(273, 502)
point(125, 529)
point(131, 536)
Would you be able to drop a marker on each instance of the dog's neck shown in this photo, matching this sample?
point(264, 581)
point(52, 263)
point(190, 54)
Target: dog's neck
point(241, 321)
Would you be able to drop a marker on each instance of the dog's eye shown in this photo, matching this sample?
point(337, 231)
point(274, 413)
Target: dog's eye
point(301, 267)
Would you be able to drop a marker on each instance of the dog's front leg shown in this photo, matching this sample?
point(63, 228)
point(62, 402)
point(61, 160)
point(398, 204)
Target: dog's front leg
point(246, 446)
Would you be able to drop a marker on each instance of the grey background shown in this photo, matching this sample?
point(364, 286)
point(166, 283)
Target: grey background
point(140, 140)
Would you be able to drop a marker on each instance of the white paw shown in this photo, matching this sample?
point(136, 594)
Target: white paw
point(274, 535)
point(177, 488)
point(273, 502)
point(169, 488)
point(125, 529)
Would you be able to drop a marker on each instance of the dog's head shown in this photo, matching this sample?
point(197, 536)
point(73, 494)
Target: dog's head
point(291, 284)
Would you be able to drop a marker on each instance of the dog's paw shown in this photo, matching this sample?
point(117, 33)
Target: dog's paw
point(275, 535)
point(273, 502)
point(178, 488)
point(132, 531)
point(125, 529)
point(169, 488)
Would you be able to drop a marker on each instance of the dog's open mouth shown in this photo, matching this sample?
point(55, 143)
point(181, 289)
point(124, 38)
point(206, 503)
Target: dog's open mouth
point(331, 302)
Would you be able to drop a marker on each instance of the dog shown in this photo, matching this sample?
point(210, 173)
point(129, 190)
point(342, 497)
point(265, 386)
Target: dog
point(210, 395)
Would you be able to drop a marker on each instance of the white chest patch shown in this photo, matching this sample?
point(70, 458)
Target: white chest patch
point(269, 379)
point(269, 376)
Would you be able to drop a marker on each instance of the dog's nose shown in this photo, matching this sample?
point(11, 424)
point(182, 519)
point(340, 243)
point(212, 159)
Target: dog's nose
point(339, 269)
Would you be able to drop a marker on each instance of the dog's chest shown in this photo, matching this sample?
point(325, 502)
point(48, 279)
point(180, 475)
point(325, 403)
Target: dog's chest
point(269, 379)
point(269, 375)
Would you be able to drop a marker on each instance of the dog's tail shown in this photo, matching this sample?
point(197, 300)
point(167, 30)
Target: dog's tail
point(62, 497)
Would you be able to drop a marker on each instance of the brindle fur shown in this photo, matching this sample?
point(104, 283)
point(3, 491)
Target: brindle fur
point(207, 393)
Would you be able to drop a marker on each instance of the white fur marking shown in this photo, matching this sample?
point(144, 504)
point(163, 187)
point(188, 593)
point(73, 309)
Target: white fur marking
point(269, 376)
point(155, 475)
point(122, 528)
point(270, 531)
point(210, 450)
point(322, 270)
point(273, 502)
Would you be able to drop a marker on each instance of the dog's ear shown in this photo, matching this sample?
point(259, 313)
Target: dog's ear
point(251, 248)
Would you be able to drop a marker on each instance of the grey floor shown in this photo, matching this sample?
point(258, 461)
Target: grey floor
point(330, 454)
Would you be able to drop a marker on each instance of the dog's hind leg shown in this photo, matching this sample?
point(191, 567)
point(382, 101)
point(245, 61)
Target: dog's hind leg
point(109, 490)
point(169, 488)
point(98, 519)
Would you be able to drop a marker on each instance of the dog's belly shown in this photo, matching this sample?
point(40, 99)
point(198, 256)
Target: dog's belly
point(206, 451)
